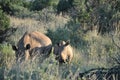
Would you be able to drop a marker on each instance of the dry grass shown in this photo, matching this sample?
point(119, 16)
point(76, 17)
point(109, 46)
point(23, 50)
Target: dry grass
point(15, 22)
point(31, 24)
point(28, 24)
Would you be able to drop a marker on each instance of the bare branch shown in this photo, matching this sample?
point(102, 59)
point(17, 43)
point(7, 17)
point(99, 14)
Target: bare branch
point(116, 60)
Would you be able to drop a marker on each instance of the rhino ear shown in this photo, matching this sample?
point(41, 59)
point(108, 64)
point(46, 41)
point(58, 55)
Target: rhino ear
point(67, 42)
point(14, 48)
point(27, 46)
point(58, 44)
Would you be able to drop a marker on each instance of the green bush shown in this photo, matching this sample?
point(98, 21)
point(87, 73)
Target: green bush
point(6, 52)
point(12, 7)
point(40, 4)
point(58, 34)
point(70, 32)
point(6, 49)
point(20, 11)
point(4, 21)
point(64, 6)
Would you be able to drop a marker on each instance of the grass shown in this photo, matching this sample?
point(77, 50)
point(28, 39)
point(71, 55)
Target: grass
point(96, 52)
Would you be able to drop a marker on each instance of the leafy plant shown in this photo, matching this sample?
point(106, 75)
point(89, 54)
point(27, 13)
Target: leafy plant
point(4, 21)
point(6, 52)
point(41, 4)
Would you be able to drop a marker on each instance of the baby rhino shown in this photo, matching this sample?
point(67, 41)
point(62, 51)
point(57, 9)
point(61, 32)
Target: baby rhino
point(63, 51)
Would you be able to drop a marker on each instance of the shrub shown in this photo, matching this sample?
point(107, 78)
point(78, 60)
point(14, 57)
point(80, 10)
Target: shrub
point(4, 21)
point(64, 6)
point(20, 11)
point(70, 32)
point(6, 52)
point(59, 34)
point(41, 4)
point(12, 7)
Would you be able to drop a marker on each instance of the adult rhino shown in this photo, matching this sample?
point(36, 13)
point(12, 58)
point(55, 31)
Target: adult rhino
point(31, 42)
point(63, 51)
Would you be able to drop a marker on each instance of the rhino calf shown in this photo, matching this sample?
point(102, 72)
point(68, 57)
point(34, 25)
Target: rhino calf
point(63, 52)
point(29, 42)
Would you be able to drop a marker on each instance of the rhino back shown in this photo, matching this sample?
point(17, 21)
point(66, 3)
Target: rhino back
point(35, 39)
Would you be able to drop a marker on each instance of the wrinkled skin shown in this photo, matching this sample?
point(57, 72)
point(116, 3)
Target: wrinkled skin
point(63, 52)
point(30, 43)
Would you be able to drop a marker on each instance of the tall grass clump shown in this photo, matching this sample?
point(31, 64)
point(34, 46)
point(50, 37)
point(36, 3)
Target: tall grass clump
point(6, 53)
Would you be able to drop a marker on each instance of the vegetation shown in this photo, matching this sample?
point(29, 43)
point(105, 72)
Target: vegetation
point(4, 21)
point(41, 4)
point(92, 26)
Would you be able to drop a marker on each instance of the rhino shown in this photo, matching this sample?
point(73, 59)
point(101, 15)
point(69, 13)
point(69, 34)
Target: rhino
point(31, 42)
point(63, 51)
